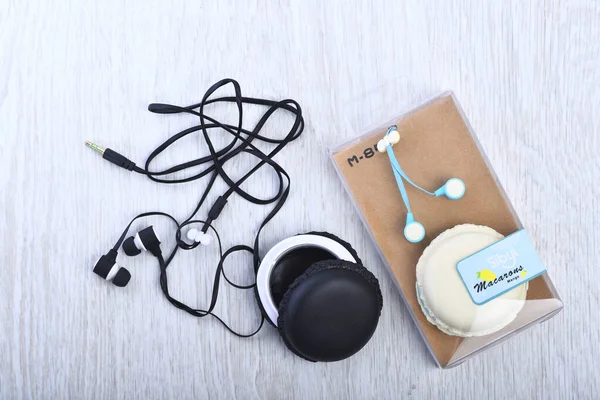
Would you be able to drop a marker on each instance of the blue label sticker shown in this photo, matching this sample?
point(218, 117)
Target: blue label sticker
point(500, 267)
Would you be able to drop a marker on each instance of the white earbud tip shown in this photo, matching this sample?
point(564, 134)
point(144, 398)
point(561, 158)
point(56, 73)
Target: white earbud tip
point(381, 146)
point(192, 233)
point(455, 188)
point(414, 232)
point(206, 239)
point(393, 137)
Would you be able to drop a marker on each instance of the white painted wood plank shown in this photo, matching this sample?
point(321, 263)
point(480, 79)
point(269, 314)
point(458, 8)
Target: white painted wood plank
point(527, 74)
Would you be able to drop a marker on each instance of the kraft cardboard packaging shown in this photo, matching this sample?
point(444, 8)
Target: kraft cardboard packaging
point(437, 143)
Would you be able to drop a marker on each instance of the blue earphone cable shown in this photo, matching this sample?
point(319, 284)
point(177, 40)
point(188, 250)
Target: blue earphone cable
point(398, 177)
point(398, 171)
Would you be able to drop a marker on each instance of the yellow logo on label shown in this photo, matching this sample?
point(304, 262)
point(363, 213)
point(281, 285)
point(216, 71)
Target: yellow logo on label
point(489, 279)
point(486, 275)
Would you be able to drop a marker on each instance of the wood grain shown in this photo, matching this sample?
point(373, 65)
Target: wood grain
point(527, 74)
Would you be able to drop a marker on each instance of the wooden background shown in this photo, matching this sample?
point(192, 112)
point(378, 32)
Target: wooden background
point(526, 72)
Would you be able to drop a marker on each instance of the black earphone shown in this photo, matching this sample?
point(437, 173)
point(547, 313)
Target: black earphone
point(327, 303)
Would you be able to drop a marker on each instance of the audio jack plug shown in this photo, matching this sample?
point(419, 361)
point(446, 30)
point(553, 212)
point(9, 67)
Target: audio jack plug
point(112, 156)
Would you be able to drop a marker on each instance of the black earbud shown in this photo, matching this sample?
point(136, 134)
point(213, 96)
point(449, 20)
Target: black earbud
point(146, 240)
point(122, 277)
point(130, 248)
point(107, 268)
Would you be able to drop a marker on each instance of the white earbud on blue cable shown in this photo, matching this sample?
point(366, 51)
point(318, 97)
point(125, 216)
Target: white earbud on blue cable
point(454, 188)
point(414, 231)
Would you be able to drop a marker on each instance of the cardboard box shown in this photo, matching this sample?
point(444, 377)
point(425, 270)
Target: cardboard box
point(437, 143)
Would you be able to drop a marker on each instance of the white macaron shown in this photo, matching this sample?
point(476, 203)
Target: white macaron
point(442, 294)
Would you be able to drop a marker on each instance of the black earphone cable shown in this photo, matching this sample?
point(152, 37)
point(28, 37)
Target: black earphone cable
point(242, 142)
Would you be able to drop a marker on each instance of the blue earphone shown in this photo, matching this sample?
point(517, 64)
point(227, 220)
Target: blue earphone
point(454, 188)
